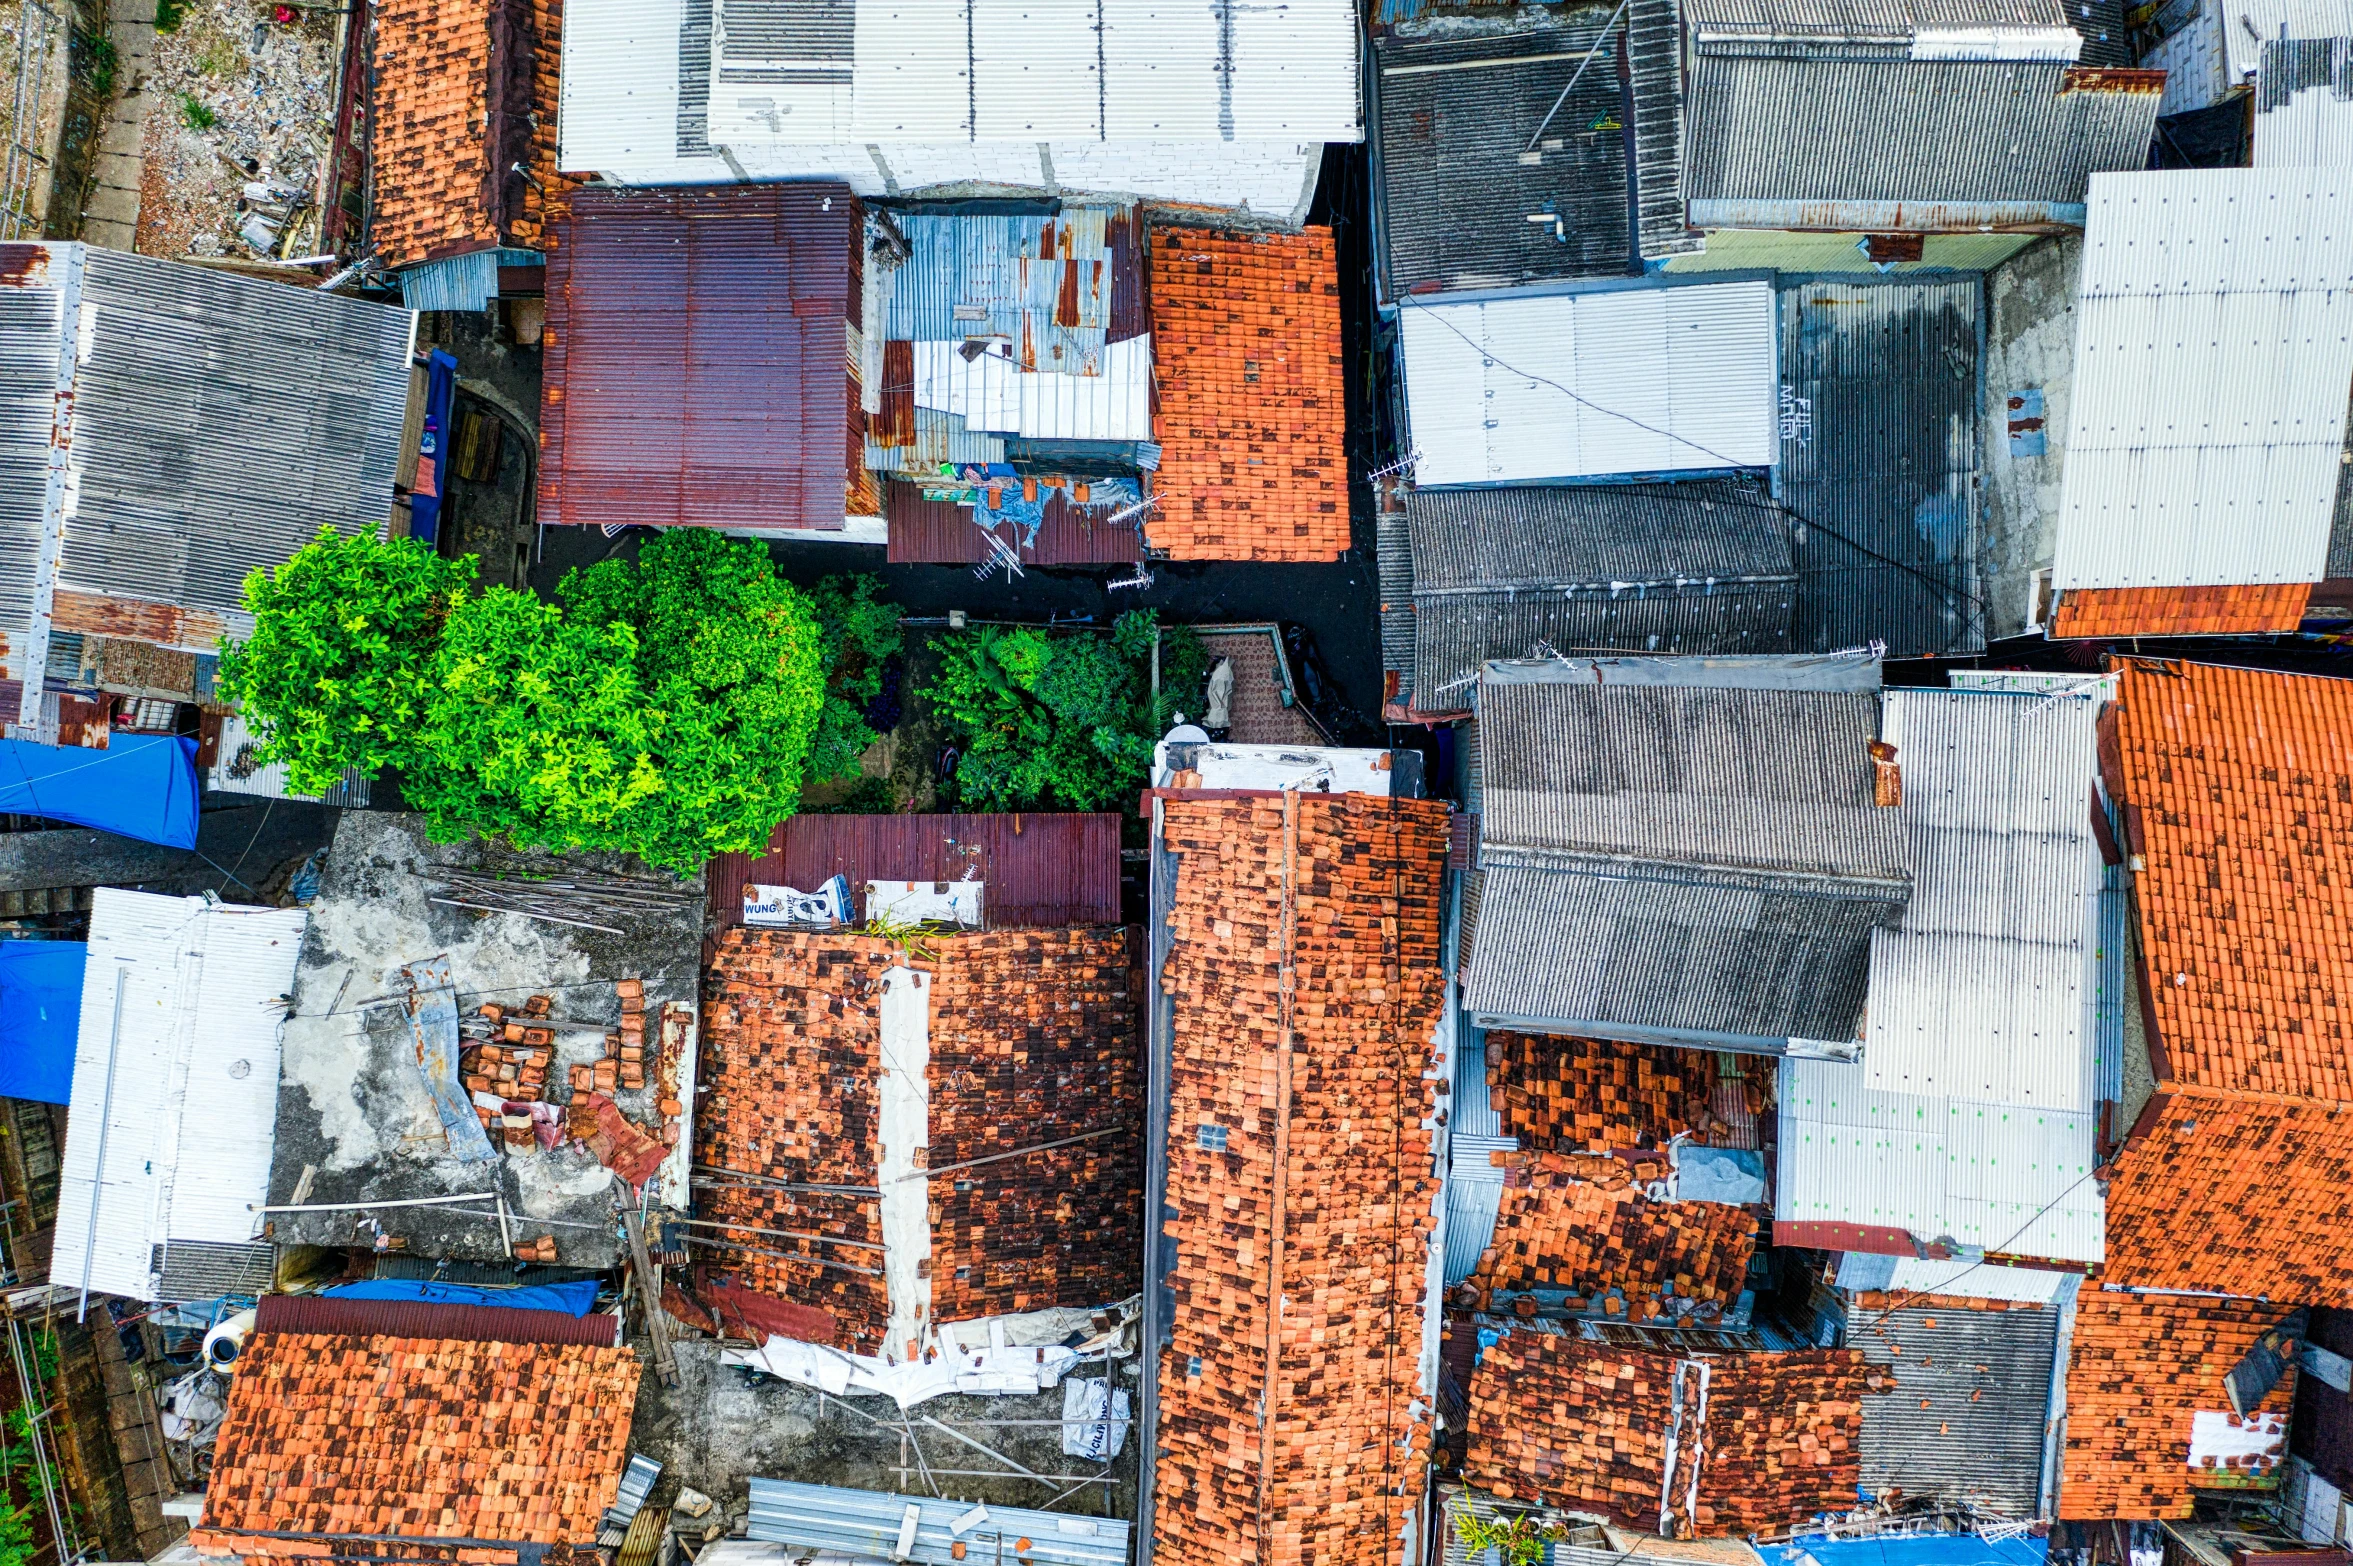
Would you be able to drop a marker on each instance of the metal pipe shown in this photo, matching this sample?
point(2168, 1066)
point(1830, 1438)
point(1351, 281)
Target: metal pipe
point(1019, 1152)
point(114, 1041)
point(1572, 86)
point(788, 1234)
point(362, 1207)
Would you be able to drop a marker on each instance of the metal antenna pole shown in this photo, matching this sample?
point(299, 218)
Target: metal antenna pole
point(1580, 71)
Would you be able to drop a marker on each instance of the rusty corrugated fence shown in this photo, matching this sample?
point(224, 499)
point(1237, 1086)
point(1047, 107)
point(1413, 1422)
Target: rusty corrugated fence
point(1039, 869)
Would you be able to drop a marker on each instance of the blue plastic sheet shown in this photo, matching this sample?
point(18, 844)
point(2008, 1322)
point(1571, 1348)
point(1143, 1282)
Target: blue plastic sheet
point(141, 785)
point(1926, 1549)
point(40, 1014)
point(573, 1299)
point(441, 381)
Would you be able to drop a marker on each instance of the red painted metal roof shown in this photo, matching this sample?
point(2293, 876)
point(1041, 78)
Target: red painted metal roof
point(312, 1313)
point(940, 532)
point(696, 364)
point(1038, 869)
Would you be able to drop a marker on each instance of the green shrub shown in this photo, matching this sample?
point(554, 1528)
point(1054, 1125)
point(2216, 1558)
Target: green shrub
point(860, 633)
point(1048, 720)
point(195, 113)
point(663, 706)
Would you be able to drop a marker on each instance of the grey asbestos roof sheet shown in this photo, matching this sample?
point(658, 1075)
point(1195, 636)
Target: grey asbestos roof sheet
point(1879, 463)
point(1915, 131)
point(1768, 780)
point(1864, 19)
point(1965, 1417)
point(1672, 568)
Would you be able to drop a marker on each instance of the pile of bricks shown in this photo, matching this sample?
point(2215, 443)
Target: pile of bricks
point(1572, 1095)
point(1762, 1441)
point(1306, 989)
point(623, 1068)
point(792, 1057)
point(2141, 1366)
point(341, 1436)
point(1034, 1039)
point(1582, 1223)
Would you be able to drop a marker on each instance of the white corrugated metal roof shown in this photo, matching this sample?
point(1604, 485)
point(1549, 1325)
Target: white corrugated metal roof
point(184, 1096)
point(1136, 97)
point(2213, 348)
point(991, 395)
point(1980, 992)
point(1590, 385)
point(2006, 1178)
point(2304, 98)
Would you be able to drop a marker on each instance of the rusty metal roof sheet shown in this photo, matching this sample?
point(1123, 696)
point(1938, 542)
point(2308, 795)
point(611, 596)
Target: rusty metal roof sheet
point(1039, 869)
point(1045, 283)
point(697, 366)
point(319, 1315)
point(941, 532)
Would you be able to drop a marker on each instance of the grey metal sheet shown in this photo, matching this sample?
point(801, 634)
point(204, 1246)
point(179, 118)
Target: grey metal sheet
point(30, 342)
point(207, 1269)
point(1920, 132)
point(1768, 780)
point(1982, 993)
point(866, 1524)
point(1654, 59)
point(1864, 19)
point(1965, 1417)
point(1714, 959)
point(1465, 202)
point(219, 422)
point(1667, 568)
point(1879, 457)
point(2113, 992)
point(1393, 548)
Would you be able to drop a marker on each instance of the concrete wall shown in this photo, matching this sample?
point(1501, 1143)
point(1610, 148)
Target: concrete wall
point(2029, 345)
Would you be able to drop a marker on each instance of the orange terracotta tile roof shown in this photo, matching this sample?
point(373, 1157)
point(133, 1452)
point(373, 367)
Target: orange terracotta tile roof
point(2140, 1367)
point(416, 1438)
point(1300, 1169)
point(2237, 1196)
point(1583, 1224)
point(1033, 1040)
point(452, 80)
point(1595, 1426)
point(1571, 1095)
point(1246, 356)
point(2245, 609)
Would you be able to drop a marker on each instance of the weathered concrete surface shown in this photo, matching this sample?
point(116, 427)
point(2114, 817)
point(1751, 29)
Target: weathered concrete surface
point(2029, 345)
point(241, 847)
point(720, 1427)
point(352, 1104)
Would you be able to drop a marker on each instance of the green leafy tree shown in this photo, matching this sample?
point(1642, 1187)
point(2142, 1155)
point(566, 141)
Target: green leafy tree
point(1063, 720)
point(335, 672)
point(861, 634)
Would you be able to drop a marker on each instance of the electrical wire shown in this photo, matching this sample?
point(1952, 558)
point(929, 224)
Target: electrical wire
point(1914, 1294)
point(1948, 590)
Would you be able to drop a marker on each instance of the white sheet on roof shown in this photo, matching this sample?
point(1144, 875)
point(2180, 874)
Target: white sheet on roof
point(2213, 347)
point(191, 1119)
point(992, 396)
point(1663, 380)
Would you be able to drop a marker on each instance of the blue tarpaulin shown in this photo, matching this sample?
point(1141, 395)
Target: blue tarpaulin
point(573, 1299)
point(441, 381)
point(141, 785)
point(1920, 1549)
point(40, 1013)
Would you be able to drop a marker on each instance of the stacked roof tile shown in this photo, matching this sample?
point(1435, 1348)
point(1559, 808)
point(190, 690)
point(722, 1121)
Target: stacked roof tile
point(1246, 348)
point(1033, 1040)
point(1582, 1223)
point(2143, 1368)
point(405, 1441)
point(1305, 983)
point(464, 93)
point(2235, 803)
point(1571, 1095)
point(1693, 1447)
point(2236, 609)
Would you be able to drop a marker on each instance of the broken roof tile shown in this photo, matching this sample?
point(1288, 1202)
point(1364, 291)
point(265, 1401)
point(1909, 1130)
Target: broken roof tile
point(1246, 349)
point(1583, 1224)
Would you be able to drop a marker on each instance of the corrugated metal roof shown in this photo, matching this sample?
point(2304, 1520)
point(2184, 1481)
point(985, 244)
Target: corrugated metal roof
point(312, 1313)
point(467, 282)
point(1655, 57)
point(1042, 283)
point(1982, 992)
point(1858, 21)
point(186, 469)
point(1393, 552)
point(676, 391)
point(991, 393)
point(1954, 1277)
point(1653, 380)
point(1746, 249)
point(2304, 103)
point(1965, 1417)
point(1039, 869)
point(1942, 138)
point(1879, 450)
point(2112, 978)
point(2214, 335)
point(870, 1524)
point(2002, 1177)
point(1754, 779)
point(183, 1096)
point(1672, 568)
point(1464, 203)
point(940, 532)
point(208, 1269)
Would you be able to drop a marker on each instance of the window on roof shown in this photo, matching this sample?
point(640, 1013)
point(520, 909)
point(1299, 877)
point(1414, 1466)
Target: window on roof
point(1213, 1139)
point(1193, 1367)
